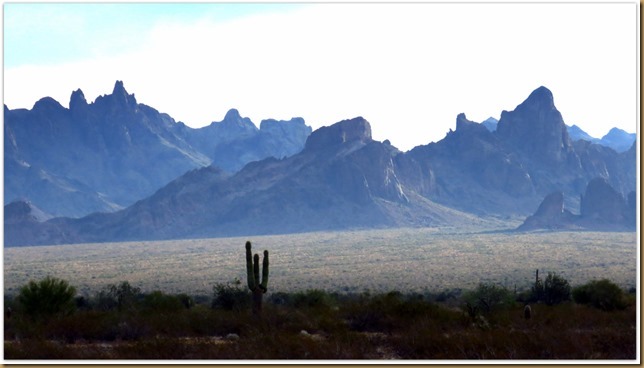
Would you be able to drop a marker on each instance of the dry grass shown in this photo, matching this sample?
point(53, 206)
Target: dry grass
point(377, 260)
point(351, 261)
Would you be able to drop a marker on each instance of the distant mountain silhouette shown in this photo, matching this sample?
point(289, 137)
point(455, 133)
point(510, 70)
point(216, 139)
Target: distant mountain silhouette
point(616, 138)
point(343, 179)
point(490, 124)
point(105, 155)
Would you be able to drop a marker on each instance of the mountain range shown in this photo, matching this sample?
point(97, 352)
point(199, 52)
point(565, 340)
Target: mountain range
point(344, 179)
point(106, 155)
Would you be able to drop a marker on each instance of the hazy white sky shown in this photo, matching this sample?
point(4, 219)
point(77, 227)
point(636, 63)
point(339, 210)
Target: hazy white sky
point(409, 69)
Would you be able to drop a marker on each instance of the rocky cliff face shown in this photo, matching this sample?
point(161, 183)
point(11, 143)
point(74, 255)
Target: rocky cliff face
point(105, 155)
point(602, 204)
point(536, 130)
point(602, 208)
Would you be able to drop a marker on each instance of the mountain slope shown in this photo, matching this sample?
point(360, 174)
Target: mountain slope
point(508, 171)
point(602, 208)
point(105, 155)
point(341, 180)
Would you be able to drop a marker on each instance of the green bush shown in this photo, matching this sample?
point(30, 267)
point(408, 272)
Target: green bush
point(312, 299)
point(158, 301)
point(556, 289)
point(487, 298)
point(602, 294)
point(231, 296)
point(122, 296)
point(48, 297)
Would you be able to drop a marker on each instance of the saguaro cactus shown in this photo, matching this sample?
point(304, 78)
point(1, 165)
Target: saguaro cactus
point(252, 272)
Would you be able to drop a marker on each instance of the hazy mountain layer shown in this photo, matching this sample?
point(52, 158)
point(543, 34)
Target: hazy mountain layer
point(343, 179)
point(105, 155)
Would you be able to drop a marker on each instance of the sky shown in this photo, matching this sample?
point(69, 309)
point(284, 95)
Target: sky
point(409, 69)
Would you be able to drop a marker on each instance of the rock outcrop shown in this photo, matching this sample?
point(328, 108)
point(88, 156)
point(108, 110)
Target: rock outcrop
point(602, 208)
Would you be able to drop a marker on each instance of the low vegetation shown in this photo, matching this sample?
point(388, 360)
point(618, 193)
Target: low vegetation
point(487, 322)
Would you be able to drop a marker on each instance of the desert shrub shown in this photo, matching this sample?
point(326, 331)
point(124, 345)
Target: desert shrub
point(312, 299)
point(386, 312)
point(556, 289)
point(158, 301)
point(445, 295)
point(231, 296)
point(487, 298)
point(48, 297)
point(602, 294)
point(122, 296)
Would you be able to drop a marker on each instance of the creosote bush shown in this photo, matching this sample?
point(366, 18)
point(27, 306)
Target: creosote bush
point(48, 297)
point(122, 296)
point(556, 289)
point(230, 296)
point(486, 298)
point(602, 294)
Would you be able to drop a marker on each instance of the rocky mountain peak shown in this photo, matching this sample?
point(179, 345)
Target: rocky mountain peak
point(47, 104)
point(232, 115)
point(77, 100)
point(462, 122)
point(121, 97)
point(351, 130)
point(552, 205)
point(536, 128)
point(541, 98)
point(465, 125)
point(234, 119)
point(22, 210)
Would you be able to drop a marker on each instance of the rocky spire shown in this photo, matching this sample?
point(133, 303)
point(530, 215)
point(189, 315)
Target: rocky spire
point(537, 128)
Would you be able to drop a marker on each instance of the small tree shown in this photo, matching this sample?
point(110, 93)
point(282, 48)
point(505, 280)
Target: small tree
point(537, 288)
point(487, 298)
point(121, 296)
point(230, 296)
point(48, 297)
point(556, 289)
point(602, 294)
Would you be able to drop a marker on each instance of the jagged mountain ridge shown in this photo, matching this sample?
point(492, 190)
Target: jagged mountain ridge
point(343, 179)
point(511, 169)
point(105, 155)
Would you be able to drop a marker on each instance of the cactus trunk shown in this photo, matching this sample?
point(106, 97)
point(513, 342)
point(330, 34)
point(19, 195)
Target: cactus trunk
point(252, 271)
point(258, 295)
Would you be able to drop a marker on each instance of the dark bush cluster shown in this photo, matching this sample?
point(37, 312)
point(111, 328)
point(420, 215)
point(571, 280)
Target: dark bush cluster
point(487, 298)
point(50, 322)
point(231, 296)
point(602, 294)
point(46, 298)
point(556, 289)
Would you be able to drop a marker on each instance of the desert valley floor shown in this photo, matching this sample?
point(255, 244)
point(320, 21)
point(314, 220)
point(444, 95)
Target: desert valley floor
point(375, 260)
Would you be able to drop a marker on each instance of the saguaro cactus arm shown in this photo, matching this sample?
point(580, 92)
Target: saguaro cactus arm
point(249, 267)
point(264, 285)
point(256, 269)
